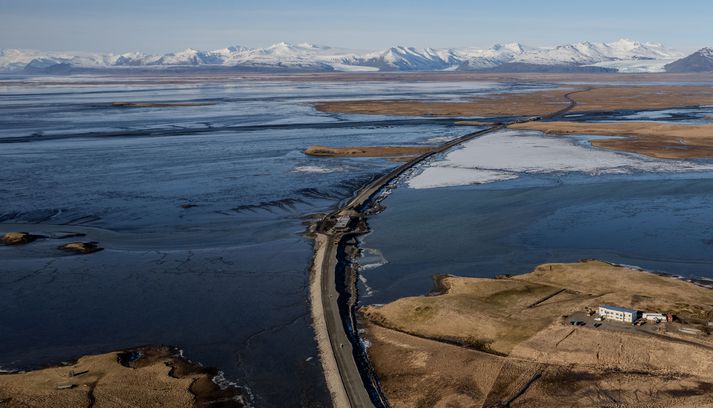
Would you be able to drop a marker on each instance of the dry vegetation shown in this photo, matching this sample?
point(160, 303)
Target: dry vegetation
point(375, 151)
point(600, 98)
point(159, 378)
point(664, 140)
point(642, 97)
point(519, 350)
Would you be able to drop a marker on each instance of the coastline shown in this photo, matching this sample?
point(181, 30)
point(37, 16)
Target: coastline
point(162, 373)
point(328, 234)
point(480, 336)
point(326, 354)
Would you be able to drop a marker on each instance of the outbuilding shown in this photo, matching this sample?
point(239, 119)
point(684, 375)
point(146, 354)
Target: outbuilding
point(657, 317)
point(342, 222)
point(620, 314)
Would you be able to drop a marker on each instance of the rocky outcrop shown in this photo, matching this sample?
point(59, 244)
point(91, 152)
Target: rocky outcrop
point(18, 238)
point(81, 247)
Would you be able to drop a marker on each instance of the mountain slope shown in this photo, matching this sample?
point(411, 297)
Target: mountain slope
point(699, 61)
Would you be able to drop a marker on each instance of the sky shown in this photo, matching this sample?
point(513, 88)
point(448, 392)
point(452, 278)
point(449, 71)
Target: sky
point(159, 26)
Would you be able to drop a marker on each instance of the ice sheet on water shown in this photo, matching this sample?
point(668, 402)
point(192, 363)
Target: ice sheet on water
point(509, 154)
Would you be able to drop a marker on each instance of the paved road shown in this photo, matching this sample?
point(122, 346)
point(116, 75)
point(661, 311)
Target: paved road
point(352, 383)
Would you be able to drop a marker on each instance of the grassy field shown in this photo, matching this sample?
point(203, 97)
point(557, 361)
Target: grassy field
point(663, 140)
point(600, 98)
point(520, 347)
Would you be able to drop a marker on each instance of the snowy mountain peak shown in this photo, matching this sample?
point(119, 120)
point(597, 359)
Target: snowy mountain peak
point(706, 52)
point(513, 47)
point(235, 48)
point(625, 43)
point(625, 54)
point(699, 61)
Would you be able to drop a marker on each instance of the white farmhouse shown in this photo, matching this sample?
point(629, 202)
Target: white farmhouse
point(619, 314)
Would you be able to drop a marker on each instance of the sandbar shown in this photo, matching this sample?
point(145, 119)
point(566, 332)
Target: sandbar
point(367, 151)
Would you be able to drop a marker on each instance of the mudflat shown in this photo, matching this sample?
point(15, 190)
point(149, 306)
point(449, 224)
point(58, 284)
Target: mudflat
point(508, 341)
point(159, 104)
point(663, 140)
point(368, 151)
point(144, 377)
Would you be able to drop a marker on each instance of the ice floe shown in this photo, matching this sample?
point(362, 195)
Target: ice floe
point(318, 169)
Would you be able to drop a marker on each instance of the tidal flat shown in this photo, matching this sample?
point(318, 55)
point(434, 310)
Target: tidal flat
point(200, 210)
point(199, 193)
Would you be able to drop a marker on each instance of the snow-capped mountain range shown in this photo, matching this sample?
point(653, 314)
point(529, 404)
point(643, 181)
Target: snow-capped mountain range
point(622, 55)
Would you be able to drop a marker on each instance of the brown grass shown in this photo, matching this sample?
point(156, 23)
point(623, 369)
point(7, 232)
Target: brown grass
point(416, 372)
point(663, 140)
point(601, 98)
point(376, 151)
point(158, 379)
point(642, 97)
point(563, 365)
point(498, 313)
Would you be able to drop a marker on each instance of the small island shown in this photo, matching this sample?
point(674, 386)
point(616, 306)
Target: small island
point(367, 151)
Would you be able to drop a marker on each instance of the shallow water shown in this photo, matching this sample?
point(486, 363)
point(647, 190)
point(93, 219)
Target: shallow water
point(662, 222)
point(227, 279)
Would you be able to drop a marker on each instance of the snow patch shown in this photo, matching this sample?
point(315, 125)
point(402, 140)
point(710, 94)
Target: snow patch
point(443, 176)
point(318, 169)
point(368, 290)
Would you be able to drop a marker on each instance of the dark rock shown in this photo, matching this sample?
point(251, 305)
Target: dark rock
point(81, 247)
point(18, 238)
point(699, 61)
